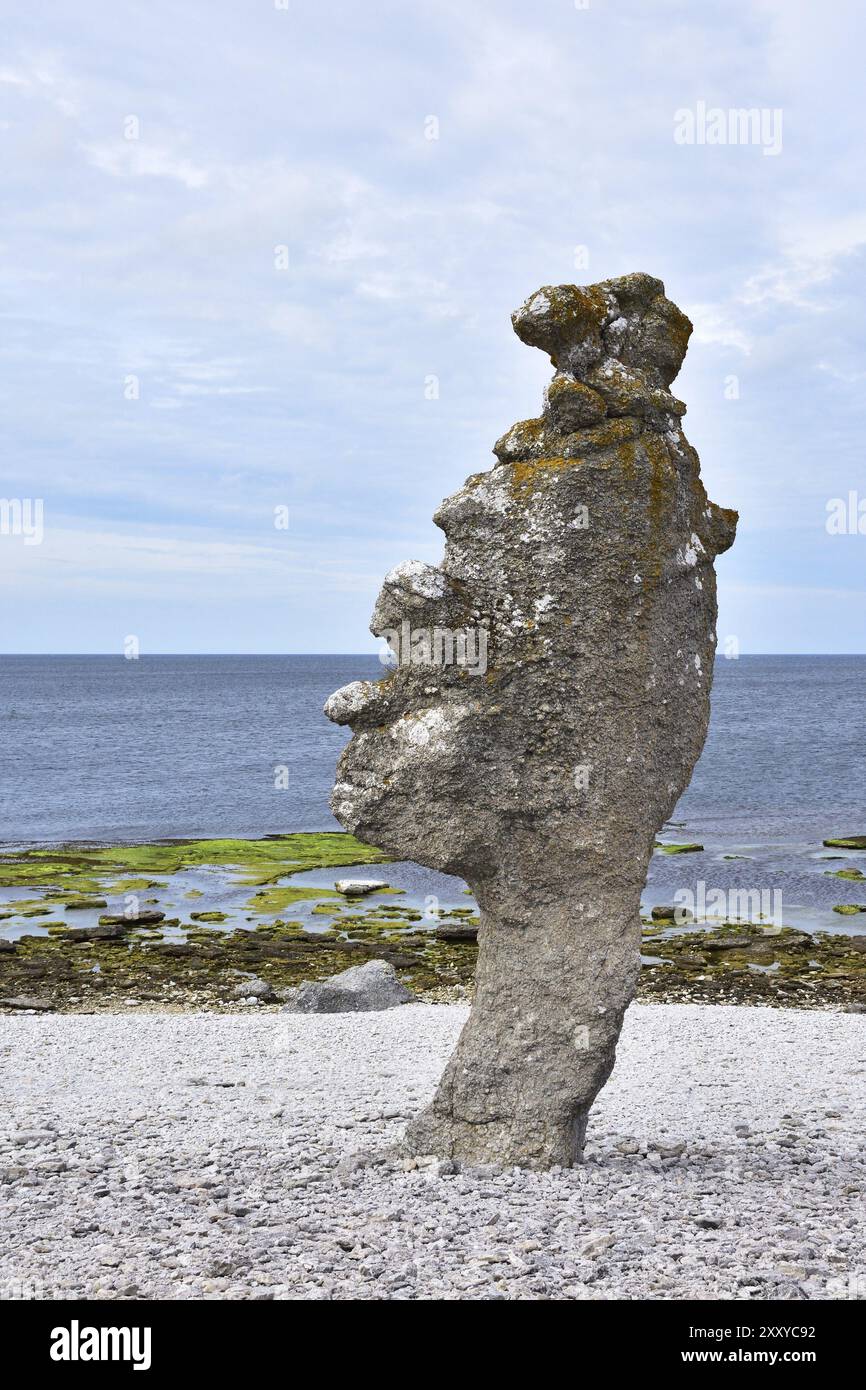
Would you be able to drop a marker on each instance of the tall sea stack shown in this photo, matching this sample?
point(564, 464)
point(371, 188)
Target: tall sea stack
point(549, 701)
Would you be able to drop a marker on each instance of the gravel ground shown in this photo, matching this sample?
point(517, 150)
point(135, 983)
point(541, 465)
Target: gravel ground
point(189, 1156)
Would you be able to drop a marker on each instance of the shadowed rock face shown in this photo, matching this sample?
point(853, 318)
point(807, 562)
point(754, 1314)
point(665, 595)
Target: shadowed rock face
point(550, 701)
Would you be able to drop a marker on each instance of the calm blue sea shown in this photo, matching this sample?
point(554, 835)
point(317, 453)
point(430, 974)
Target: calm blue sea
point(97, 747)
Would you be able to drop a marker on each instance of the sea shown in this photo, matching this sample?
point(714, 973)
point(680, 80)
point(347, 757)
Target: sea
point(101, 748)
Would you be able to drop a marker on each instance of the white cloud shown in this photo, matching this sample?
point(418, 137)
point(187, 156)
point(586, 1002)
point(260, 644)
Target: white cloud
point(137, 159)
point(713, 325)
point(156, 257)
point(809, 259)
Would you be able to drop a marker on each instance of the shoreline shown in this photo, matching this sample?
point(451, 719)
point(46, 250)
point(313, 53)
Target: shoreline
point(182, 924)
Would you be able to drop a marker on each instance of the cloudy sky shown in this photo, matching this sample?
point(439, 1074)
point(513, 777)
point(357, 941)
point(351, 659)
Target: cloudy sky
point(232, 259)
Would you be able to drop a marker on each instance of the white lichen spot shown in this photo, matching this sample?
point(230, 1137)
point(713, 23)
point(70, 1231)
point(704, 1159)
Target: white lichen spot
point(424, 580)
point(427, 729)
point(493, 493)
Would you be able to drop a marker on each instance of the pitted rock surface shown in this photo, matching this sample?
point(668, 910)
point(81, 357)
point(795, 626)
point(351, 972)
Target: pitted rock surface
point(549, 700)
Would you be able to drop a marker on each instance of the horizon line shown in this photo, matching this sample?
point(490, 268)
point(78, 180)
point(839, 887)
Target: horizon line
point(719, 656)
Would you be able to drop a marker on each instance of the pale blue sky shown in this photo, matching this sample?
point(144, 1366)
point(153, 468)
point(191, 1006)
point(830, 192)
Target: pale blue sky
point(305, 127)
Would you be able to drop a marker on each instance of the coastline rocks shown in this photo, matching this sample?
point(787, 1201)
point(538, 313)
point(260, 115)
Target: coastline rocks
point(112, 931)
point(678, 849)
point(680, 915)
point(359, 887)
point(360, 989)
point(25, 1001)
point(148, 918)
point(462, 931)
point(253, 988)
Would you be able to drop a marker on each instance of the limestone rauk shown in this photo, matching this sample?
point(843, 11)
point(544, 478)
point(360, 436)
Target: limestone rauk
point(542, 775)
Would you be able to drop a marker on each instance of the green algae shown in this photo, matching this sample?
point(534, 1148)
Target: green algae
point(677, 849)
point(257, 861)
point(270, 900)
point(856, 874)
point(848, 909)
point(852, 842)
point(22, 871)
point(79, 875)
point(209, 916)
point(133, 885)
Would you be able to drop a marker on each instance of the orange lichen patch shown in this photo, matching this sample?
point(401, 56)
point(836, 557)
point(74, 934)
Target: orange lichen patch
point(571, 314)
point(523, 440)
point(572, 404)
point(617, 438)
point(680, 328)
point(525, 472)
point(609, 435)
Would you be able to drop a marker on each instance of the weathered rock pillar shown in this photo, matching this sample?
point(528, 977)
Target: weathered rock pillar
point(550, 699)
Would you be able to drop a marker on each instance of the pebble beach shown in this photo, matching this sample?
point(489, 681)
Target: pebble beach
point(255, 1154)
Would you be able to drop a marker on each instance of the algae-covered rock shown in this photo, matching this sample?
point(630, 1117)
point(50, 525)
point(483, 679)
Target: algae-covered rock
point(678, 849)
point(147, 918)
point(540, 760)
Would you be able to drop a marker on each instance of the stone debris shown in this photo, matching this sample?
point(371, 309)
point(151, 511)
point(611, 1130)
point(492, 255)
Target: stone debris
point(121, 1179)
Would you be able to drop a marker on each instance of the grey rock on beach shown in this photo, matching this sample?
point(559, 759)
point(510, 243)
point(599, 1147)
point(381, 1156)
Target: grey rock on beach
point(360, 989)
point(549, 700)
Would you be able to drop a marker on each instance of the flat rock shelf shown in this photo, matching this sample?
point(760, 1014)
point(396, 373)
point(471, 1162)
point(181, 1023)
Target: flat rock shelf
point(203, 1155)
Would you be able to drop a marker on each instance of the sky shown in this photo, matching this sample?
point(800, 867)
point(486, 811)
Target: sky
point(257, 265)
